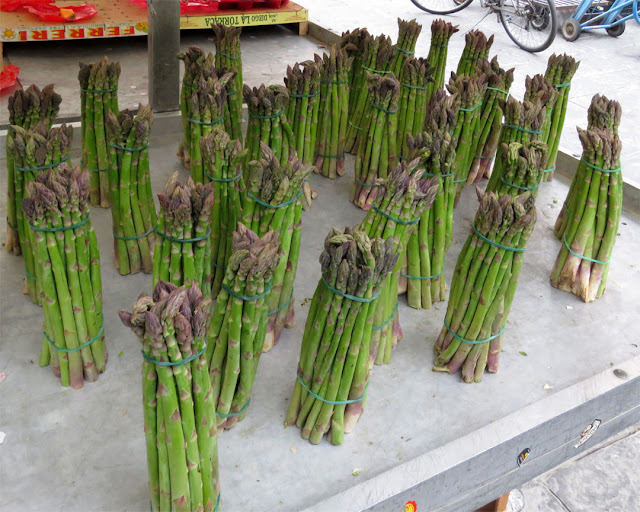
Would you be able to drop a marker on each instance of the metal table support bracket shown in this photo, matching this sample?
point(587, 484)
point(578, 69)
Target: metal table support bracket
point(163, 46)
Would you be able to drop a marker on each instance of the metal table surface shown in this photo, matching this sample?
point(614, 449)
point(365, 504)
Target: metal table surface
point(424, 436)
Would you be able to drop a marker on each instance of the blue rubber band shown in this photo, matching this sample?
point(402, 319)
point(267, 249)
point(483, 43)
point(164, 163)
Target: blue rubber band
point(350, 297)
point(224, 180)
point(550, 170)
point(84, 345)
point(184, 240)
point(518, 186)
point(190, 84)
point(379, 72)
point(521, 129)
point(386, 111)
point(63, 228)
point(487, 157)
point(419, 87)
point(232, 414)
point(42, 167)
point(560, 86)
point(99, 91)
point(369, 185)
point(466, 57)
point(281, 205)
point(30, 276)
point(464, 180)
point(425, 173)
point(94, 170)
point(564, 237)
point(212, 123)
point(127, 238)
point(130, 150)
point(330, 156)
point(330, 402)
point(170, 363)
point(471, 109)
point(283, 306)
point(15, 228)
point(356, 127)
point(474, 342)
point(221, 267)
point(380, 327)
point(231, 93)
point(273, 116)
point(217, 504)
point(496, 89)
point(397, 221)
point(295, 95)
point(244, 297)
point(424, 278)
point(406, 52)
point(495, 244)
point(337, 82)
point(595, 167)
point(218, 52)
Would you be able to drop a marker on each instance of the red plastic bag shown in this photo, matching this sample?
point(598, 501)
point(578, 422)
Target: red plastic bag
point(187, 7)
point(12, 5)
point(8, 77)
point(71, 13)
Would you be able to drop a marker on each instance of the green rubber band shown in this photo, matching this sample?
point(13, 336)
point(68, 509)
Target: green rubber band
point(472, 108)
point(222, 267)
point(564, 237)
point(521, 129)
point(397, 221)
point(95, 170)
point(356, 127)
point(425, 173)
point(595, 167)
point(30, 276)
point(487, 157)
point(84, 345)
point(548, 113)
point(406, 52)
point(281, 205)
point(212, 123)
point(224, 180)
point(517, 186)
point(217, 504)
point(99, 91)
point(402, 157)
point(378, 71)
point(63, 228)
point(170, 363)
point(218, 52)
point(419, 87)
point(184, 240)
point(231, 415)
point(380, 327)
point(295, 95)
point(560, 86)
point(330, 402)
point(330, 156)
point(550, 170)
point(498, 90)
point(495, 244)
point(127, 238)
point(337, 82)
point(424, 278)
point(130, 150)
point(42, 167)
point(283, 306)
point(231, 93)
point(273, 116)
point(244, 297)
point(475, 342)
point(350, 297)
point(464, 180)
point(190, 84)
point(386, 111)
point(15, 228)
point(368, 185)
point(469, 58)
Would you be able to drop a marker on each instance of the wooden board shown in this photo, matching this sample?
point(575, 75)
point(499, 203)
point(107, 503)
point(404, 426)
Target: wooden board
point(118, 18)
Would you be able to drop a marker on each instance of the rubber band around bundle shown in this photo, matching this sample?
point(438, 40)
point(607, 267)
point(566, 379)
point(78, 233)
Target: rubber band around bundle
point(130, 150)
point(397, 221)
point(356, 127)
point(517, 186)
point(487, 157)
point(424, 278)
point(386, 111)
point(171, 363)
point(212, 123)
point(337, 82)
point(550, 170)
point(217, 503)
point(419, 87)
point(99, 91)
point(63, 228)
point(273, 116)
point(560, 86)
point(296, 95)
point(189, 84)
point(281, 205)
point(426, 173)
point(218, 52)
point(495, 244)
point(471, 109)
point(564, 237)
point(330, 156)
point(535, 132)
point(84, 345)
point(231, 93)
point(246, 298)
point(224, 180)
point(406, 52)
point(475, 342)
point(347, 296)
point(184, 240)
point(221, 267)
point(596, 168)
point(368, 185)
point(466, 57)
point(15, 228)
point(30, 276)
point(94, 170)
point(42, 167)
point(380, 327)
point(137, 237)
point(331, 402)
point(498, 90)
point(232, 414)
point(271, 313)
point(378, 71)
point(464, 180)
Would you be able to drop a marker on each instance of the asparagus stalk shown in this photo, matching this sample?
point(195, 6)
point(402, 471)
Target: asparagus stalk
point(441, 32)
point(476, 48)
point(229, 57)
point(408, 32)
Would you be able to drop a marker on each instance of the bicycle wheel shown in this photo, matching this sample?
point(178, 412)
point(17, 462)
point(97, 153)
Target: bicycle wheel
point(441, 6)
point(531, 24)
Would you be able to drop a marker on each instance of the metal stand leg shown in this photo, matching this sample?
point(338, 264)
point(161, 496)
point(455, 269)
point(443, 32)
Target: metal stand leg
point(163, 46)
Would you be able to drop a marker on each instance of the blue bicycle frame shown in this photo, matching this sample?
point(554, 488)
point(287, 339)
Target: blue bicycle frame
point(608, 18)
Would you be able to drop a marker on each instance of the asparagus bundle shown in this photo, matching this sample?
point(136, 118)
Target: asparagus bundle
point(604, 114)
point(183, 255)
point(236, 334)
point(133, 212)
point(422, 276)
point(68, 270)
point(521, 168)
point(353, 43)
point(179, 411)
point(224, 160)
point(98, 97)
point(560, 71)
point(441, 32)
point(538, 89)
point(484, 284)
point(273, 202)
point(303, 84)
point(486, 134)
point(333, 369)
point(405, 195)
point(26, 108)
point(476, 48)
point(206, 110)
point(268, 122)
point(333, 112)
point(229, 57)
point(412, 106)
point(470, 91)
point(594, 210)
point(408, 32)
point(378, 59)
point(377, 152)
point(37, 149)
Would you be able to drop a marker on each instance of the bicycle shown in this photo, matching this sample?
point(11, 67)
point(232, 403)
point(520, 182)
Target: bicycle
point(610, 16)
point(531, 24)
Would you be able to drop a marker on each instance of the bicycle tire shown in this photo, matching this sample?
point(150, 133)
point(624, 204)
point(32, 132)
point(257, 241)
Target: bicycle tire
point(421, 4)
point(521, 10)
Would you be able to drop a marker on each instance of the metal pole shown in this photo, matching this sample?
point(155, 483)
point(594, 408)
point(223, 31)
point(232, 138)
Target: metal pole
point(163, 46)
